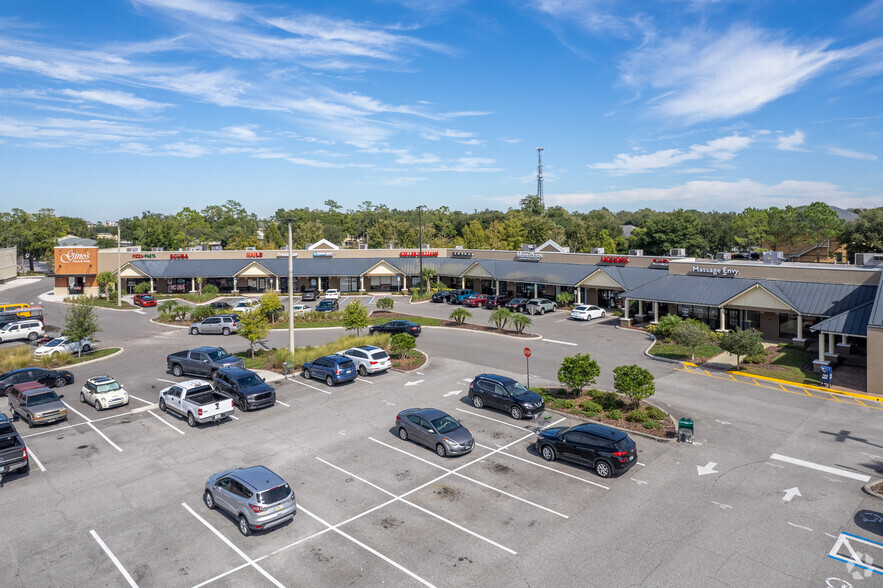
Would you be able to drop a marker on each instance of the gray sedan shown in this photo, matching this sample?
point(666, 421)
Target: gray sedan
point(435, 429)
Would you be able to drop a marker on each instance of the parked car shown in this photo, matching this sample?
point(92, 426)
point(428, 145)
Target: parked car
point(49, 378)
point(396, 326)
point(202, 361)
point(248, 390)
point(301, 309)
point(30, 330)
point(36, 404)
point(246, 305)
point(13, 452)
point(309, 294)
point(540, 306)
point(327, 305)
point(103, 392)
point(435, 429)
point(62, 344)
point(475, 300)
point(334, 369)
point(144, 300)
point(332, 294)
point(221, 305)
point(196, 401)
point(368, 359)
point(220, 324)
point(496, 300)
point(585, 312)
point(255, 496)
point(517, 304)
point(458, 296)
point(441, 296)
point(606, 450)
point(505, 394)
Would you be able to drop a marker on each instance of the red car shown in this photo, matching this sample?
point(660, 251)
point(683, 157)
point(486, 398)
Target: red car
point(476, 300)
point(144, 300)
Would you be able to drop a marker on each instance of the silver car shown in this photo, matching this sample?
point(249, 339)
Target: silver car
point(220, 324)
point(435, 429)
point(256, 496)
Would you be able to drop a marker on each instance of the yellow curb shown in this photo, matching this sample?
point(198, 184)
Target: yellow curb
point(808, 386)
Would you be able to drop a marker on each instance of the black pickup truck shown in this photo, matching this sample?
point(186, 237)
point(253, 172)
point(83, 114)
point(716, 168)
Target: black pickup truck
point(13, 453)
point(202, 361)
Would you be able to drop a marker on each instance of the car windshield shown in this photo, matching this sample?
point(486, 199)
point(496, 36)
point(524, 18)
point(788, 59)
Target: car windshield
point(249, 380)
point(147, 297)
point(581, 308)
point(274, 494)
point(379, 355)
point(221, 353)
point(445, 424)
point(44, 398)
point(515, 388)
point(109, 387)
point(56, 342)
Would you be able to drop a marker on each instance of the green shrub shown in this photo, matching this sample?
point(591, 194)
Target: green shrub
point(755, 358)
point(655, 413)
point(591, 406)
point(142, 288)
point(385, 304)
point(652, 329)
point(614, 414)
point(401, 343)
point(210, 289)
point(198, 313)
point(667, 324)
point(636, 416)
point(717, 336)
point(651, 425)
point(563, 404)
point(609, 400)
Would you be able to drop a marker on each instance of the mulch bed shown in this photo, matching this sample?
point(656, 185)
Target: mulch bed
point(414, 360)
point(878, 487)
point(453, 324)
point(668, 428)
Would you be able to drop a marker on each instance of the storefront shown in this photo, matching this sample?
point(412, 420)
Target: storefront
point(76, 271)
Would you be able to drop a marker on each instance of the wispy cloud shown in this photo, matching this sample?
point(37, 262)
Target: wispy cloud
point(211, 9)
point(115, 98)
point(790, 142)
point(466, 164)
point(722, 149)
point(852, 154)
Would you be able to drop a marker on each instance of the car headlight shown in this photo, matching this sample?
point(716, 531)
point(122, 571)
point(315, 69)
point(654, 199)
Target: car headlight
point(452, 442)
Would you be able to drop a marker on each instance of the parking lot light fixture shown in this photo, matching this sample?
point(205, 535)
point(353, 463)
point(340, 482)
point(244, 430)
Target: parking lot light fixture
point(290, 289)
point(420, 247)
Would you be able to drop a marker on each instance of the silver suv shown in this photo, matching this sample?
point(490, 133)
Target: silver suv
point(255, 496)
point(220, 324)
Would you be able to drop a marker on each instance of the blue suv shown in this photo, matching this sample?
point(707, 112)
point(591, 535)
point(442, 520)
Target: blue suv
point(334, 369)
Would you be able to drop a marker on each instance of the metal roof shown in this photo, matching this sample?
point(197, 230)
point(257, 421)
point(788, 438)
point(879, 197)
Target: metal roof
point(559, 274)
point(321, 266)
point(191, 268)
point(876, 317)
point(633, 277)
point(852, 322)
point(690, 290)
point(820, 299)
point(444, 266)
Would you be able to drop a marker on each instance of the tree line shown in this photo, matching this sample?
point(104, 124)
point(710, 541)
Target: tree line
point(232, 226)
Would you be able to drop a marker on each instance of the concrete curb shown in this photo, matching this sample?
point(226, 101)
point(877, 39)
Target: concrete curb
point(426, 363)
point(867, 489)
point(806, 386)
point(531, 338)
point(114, 354)
point(647, 351)
point(269, 376)
point(155, 322)
point(629, 431)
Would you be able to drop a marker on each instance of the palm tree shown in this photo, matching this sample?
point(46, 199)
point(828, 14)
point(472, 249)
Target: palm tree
point(520, 322)
point(459, 315)
point(500, 317)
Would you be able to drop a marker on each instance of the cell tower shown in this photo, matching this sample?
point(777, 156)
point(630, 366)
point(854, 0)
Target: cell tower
point(540, 176)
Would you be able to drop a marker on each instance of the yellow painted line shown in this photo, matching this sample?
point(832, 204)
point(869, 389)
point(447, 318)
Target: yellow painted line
point(784, 389)
point(811, 387)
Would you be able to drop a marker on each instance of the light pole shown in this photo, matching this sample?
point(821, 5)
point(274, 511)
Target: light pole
point(420, 246)
point(290, 290)
point(119, 265)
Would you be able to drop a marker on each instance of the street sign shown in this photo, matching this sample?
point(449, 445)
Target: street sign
point(527, 352)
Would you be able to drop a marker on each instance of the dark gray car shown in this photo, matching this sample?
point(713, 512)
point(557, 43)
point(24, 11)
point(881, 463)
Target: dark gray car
point(435, 429)
point(255, 496)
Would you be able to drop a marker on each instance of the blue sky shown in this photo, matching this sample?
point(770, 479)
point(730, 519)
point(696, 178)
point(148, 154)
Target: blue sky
point(110, 108)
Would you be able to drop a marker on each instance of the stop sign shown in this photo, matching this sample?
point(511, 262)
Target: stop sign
point(527, 352)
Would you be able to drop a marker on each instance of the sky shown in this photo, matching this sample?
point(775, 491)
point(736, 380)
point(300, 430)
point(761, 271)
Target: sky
point(112, 108)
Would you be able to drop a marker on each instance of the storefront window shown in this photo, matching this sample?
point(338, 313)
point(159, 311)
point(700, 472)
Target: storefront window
point(349, 284)
point(608, 298)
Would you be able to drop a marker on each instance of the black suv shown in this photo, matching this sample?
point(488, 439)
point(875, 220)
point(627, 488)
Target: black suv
point(505, 394)
point(608, 451)
point(496, 300)
point(328, 305)
point(517, 304)
point(442, 296)
point(249, 390)
point(51, 378)
point(393, 327)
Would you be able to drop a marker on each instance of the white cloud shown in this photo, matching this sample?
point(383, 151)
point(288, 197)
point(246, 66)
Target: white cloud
point(466, 164)
point(400, 181)
point(114, 98)
point(852, 154)
point(212, 9)
point(790, 142)
point(408, 159)
point(511, 141)
point(184, 149)
point(721, 149)
point(242, 132)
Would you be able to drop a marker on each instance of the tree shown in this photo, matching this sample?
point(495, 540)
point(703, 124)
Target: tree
point(459, 315)
point(500, 316)
point(355, 317)
point(255, 327)
point(401, 343)
point(564, 299)
point(782, 226)
point(198, 313)
point(739, 343)
point(818, 223)
point(307, 232)
point(667, 324)
point(865, 234)
point(106, 283)
point(691, 334)
point(429, 274)
point(142, 288)
point(474, 236)
point(672, 230)
point(578, 371)
point(532, 205)
point(173, 309)
point(80, 322)
point(270, 304)
point(634, 382)
point(520, 321)
point(751, 228)
point(273, 238)
point(105, 243)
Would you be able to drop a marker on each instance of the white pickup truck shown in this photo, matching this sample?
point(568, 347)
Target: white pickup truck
point(197, 401)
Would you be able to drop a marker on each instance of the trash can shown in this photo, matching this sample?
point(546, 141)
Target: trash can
point(685, 430)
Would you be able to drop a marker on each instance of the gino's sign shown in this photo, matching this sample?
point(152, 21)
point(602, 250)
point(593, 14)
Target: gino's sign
point(76, 260)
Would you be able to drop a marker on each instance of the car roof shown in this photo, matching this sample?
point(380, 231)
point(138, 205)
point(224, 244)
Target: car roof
point(430, 413)
point(105, 379)
point(368, 348)
point(259, 477)
point(601, 431)
point(206, 348)
point(28, 388)
point(235, 371)
point(496, 378)
point(4, 419)
point(22, 321)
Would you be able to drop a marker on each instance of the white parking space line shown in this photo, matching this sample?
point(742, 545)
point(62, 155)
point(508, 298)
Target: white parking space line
point(492, 419)
point(366, 381)
point(283, 404)
point(545, 467)
point(94, 428)
point(141, 399)
point(235, 418)
point(465, 477)
point(821, 468)
point(369, 549)
point(167, 381)
point(293, 379)
point(560, 342)
point(562, 320)
point(33, 456)
point(420, 508)
point(113, 558)
point(165, 422)
point(230, 544)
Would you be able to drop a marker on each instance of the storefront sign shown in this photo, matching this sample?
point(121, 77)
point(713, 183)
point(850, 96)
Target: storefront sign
point(323, 254)
point(254, 253)
point(144, 256)
point(659, 263)
point(528, 256)
point(461, 254)
point(178, 256)
point(285, 254)
point(614, 259)
point(723, 272)
point(418, 253)
point(72, 261)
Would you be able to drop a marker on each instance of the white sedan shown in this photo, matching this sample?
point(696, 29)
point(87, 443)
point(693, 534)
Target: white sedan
point(332, 294)
point(301, 309)
point(586, 312)
point(61, 344)
point(368, 358)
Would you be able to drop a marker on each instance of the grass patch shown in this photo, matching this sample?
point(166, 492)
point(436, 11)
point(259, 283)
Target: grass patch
point(97, 354)
point(681, 352)
point(272, 359)
point(309, 322)
point(194, 298)
point(23, 356)
point(785, 363)
point(102, 303)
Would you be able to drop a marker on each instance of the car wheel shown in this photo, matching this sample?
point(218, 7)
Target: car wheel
point(191, 420)
point(32, 336)
point(194, 331)
point(82, 398)
point(243, 405)
point(329, 381)
point(226, 331)
point(29, 422)
point(403, 434)
point(98, 406)
point(516, 413)
point(243, 526)
point(532, 310)
point(306, 374)
point(603, 469)
point(477, 401)
point(548, 452)
point(26, 469)
point(178, 371)
point(440, 449)
point(162, 404)
point(87, 348)
point(363, 371)
point(59, 382)
point(209, 500)
point(542, 311)
point(603, 314)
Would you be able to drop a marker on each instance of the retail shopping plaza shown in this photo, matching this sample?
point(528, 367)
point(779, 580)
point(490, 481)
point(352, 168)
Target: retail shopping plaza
point(836, 308)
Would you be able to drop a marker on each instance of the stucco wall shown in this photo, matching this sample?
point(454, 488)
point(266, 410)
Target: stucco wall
point(8, 267)
point(875, 365)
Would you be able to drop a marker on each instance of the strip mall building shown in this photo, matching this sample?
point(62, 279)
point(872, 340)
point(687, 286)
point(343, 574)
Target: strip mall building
point(836, 308)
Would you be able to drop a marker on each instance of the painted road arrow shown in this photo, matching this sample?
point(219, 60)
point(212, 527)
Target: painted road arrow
point(413, 383)
point(791, 493)
point(452, 393)
point(707, 469)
